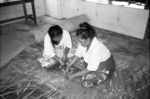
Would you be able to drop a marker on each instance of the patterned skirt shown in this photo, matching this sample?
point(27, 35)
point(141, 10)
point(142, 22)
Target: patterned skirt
point(104, 72)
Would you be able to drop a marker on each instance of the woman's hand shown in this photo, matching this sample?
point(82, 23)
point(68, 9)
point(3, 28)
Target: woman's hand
point(71, 63)
point(68, 76)
point(61, 62)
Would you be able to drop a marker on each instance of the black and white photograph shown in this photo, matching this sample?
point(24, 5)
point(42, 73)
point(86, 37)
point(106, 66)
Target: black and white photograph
point(74, 49)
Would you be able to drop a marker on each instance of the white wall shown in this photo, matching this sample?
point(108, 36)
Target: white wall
point(128, 21)
point(124, 20)
point(52, 8)
point(17, 10)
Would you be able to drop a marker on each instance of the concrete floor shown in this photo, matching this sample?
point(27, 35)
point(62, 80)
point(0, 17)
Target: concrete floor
point(23, 71)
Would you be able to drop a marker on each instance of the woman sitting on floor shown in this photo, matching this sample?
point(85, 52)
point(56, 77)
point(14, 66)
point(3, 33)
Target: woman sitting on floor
point(100, 62)
point(57, 43)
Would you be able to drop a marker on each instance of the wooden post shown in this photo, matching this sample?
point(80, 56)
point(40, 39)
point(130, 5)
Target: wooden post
point(33, 11)
point(25, 11)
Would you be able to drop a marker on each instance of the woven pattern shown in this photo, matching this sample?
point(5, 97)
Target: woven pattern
point(131, 81)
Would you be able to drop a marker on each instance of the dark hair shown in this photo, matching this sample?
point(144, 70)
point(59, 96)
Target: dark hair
point(55, 31)
point(85, 25)
point(85, 33)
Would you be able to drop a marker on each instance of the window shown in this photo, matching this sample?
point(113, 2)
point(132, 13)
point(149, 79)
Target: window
point(99, 1)
point(141, 4)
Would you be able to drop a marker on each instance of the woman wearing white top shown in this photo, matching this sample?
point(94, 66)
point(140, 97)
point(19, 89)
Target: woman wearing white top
point(100, 63)
point(57, 43)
